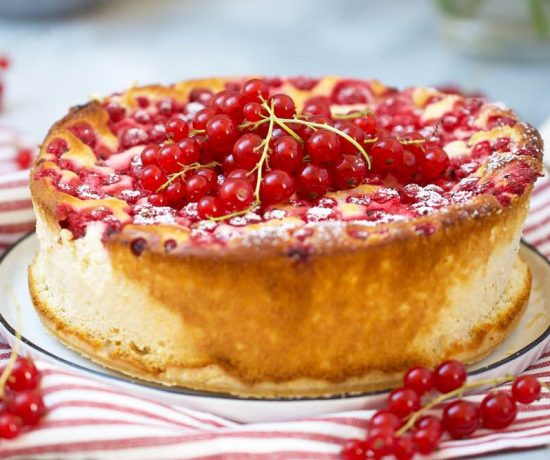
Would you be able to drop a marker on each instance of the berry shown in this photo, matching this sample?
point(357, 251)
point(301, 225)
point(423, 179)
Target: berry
point(431, 422)
point(368, 124)
point(526, 389)
point(403, 401)
point(323, 147)
point(283, 106)
point(174, 193)
point(312, 181)
point(460, 418)
point(133, 136)
point(287, 154)
point(382, 441)
point(498, 410)
point(23, 158)
point(404, 448)
point(10, 426)
point(152, 178)
point(196, 187)
point(356, 133)
point(221, 131)
point(384, 418)
point(57, 146)
point(84, 132)
point(202, 117)
point(252, 111)
point(27, 405)
point(449, 376)
point(209, 206)
point(24, 375)
point(426, 440)
point(434, 163)
point(356, 449)
point(115, 111)
point(236, 194)
point(246, 151)
point(210, 175)
point(255, 90)
point(232, 105)
point(228, 164)
point(158, 200)
point(387, 154)
point(176, 129)
point(201, 95)
point(169, 158)
point(277, 186)
point(190, 151)
point(419, 379)
point(349, 172)
point(149, 154)
point(317, 106)
point(4, 62)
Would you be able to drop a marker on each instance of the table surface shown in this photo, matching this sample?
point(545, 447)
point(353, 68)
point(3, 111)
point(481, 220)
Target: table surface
point(61, 62)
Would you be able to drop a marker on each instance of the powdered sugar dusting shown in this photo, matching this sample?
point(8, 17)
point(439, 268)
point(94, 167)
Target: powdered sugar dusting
point(148, 214)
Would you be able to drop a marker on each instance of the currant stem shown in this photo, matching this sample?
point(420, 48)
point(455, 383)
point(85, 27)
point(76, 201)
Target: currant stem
point(352, 115)
point(9, 366)
point(186, 168)
point(265, 151)
point(281, 124)
point(458, 392)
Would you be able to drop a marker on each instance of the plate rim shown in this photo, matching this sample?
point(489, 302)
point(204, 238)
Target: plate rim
point(182, 391)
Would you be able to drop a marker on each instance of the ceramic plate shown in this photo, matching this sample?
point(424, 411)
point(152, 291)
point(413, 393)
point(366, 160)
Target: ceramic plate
point(514, 355)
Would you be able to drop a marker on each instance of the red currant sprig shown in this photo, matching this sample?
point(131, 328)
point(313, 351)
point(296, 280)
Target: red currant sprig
point(21, 402)
point(406, 427)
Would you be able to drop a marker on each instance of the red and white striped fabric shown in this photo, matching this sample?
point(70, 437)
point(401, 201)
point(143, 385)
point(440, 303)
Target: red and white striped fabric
point(88, 419)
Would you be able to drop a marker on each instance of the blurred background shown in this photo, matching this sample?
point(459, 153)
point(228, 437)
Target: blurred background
point(63, 51)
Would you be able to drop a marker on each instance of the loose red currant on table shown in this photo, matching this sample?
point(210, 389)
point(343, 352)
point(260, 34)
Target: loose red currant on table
point(498, 410)
point(27, 405)
point(23, 158)
point(277, 186)
point(526, 389)
point(461, 418)
point(449, 376)
point(236, 194)
point(10, 426)
point(176, 129)
point(4, 62)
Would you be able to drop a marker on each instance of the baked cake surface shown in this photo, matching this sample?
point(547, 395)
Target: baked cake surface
point(399, 260)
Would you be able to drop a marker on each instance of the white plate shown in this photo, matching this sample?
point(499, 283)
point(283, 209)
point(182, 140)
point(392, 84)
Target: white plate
point(514, 355)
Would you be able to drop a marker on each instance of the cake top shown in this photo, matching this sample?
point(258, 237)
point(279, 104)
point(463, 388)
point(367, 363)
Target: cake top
point(217, 163)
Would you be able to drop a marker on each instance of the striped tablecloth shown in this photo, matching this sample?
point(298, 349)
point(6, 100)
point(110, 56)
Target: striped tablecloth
point(89, 420)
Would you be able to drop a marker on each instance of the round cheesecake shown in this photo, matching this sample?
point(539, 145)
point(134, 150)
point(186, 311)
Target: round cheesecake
point(282, 237)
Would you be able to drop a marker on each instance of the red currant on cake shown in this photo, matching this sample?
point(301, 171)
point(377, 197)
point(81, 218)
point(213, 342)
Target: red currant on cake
point(278, 236)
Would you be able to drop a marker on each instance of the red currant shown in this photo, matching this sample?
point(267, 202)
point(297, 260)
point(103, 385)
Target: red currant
point(201, 95)
point(387, 154)
point(434, 163)
point(84, 132)
point(176, 128)
point(526, 389)
point(27, 405)
point(246, 151)
point(169, 158)
point(221, 131)
point(349, 172)
point(317, 106)
point(283, 106)
point(449, 376)
point(356, 133)
point(4, 62)
point(23, 158)
point(255, 90)
point(115, 111)
point(403, 401)
point(190, 151)
point(426, 440)
point(157, 199)
point(287, 154)
point(252, 112)
point(382, 441)
point(419, 379)
point(356, 449)
point(460, 418)
point(10, 426)
point(24, 375)
point(368, 124)
point(210, 176)
point(196, 187)
point(149, 154)
point(236, 194)
point(152, 178)
point(277, 186)
point(323, 147)
point(498, 410)
point(57, 146)
point(404, 448)
point(312, 181)
point(202, 117)
point(174, 193)
point(384, 418)
point(209, 206)
point(133, 136)
point(232, 105)
point(431, 422)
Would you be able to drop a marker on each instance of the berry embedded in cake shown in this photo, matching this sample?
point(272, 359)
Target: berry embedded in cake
point(282, 236)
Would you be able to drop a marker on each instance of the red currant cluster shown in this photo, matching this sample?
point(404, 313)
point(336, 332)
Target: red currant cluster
point(21, 403)
point(246, 148)
point(405, 427)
